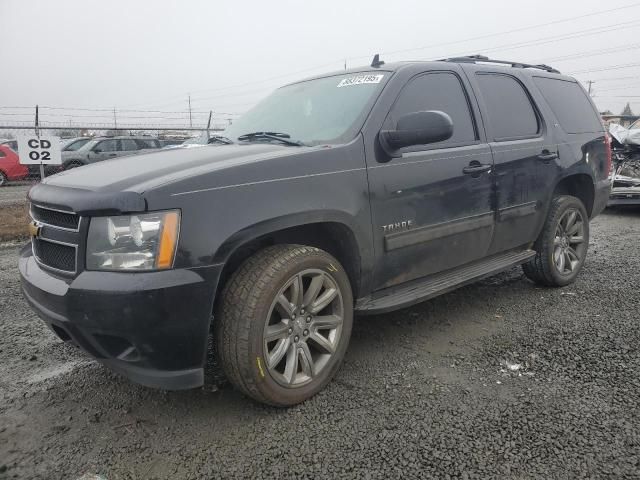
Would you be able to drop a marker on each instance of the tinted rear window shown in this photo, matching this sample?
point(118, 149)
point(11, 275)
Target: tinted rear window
point(570, 105)
point(511, 114)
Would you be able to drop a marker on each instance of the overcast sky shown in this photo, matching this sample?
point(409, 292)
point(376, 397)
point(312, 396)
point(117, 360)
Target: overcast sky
point(151, 54)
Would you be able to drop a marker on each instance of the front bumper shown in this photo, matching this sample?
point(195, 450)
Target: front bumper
point(152, 327)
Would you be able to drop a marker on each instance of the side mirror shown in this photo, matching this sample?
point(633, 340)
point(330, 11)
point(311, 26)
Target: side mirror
point(417, 128)
point(96, 150)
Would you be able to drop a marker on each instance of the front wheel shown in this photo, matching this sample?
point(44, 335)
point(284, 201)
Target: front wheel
point(562, 245)
point(3, 179)
point(283, 323)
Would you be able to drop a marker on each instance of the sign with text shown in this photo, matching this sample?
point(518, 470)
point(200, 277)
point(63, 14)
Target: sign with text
point(34, 149)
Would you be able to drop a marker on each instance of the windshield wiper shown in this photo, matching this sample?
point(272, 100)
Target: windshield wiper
point(219, 139)
point(281, 137)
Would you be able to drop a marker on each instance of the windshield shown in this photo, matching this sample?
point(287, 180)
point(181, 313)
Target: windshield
point(320, 111)
point(75, 144)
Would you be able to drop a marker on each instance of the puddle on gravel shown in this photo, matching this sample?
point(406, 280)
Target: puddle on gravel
point(56, 371)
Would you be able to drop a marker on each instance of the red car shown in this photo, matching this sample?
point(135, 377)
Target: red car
point(10, 167)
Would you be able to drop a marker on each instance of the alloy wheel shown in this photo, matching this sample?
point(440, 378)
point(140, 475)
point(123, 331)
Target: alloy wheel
point(303, 328)
point(569, 246)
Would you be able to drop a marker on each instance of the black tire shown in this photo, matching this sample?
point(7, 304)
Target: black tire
point(3, 179)
point(543, 269)
point(249, 301)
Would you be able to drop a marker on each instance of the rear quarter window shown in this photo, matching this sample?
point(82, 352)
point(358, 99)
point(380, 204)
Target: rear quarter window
point(147, 143)
point(570, 104)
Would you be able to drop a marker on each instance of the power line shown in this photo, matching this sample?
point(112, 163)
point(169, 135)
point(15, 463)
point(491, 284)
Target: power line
point(468, 39)
point(544, 40)
point(556, 38)
point(611, 79)
point(106, 110)
point(507, 32)
point(576, 34)
point(621, 87)
point(611, 67)
point(593, 53)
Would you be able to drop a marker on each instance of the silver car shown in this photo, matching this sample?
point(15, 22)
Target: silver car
point(103, 148)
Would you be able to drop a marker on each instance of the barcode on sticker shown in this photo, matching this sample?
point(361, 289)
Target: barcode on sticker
point(359, 80)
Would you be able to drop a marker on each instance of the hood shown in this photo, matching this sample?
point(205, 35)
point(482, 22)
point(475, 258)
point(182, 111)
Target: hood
point(138, 173)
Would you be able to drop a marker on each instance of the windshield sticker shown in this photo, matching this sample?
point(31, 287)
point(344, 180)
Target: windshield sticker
point(359, 80)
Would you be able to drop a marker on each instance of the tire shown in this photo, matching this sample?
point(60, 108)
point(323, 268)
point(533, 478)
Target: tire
point(264, 353)
point(562, 245)
point(3, 179)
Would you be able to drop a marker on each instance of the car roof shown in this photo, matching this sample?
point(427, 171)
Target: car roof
point(526, 68)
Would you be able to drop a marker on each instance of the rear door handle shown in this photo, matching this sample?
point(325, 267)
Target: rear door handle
point(476, 168)
point(547, 156)
point(113, 154)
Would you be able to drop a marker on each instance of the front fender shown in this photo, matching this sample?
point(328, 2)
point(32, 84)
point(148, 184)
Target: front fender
point(283, 222)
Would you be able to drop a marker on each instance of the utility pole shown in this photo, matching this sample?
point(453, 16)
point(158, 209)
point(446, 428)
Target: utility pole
point(345, 63)
point(115, 119)
point(590, 82)
point(38, 135)
point(190, 120)
point(209, 123)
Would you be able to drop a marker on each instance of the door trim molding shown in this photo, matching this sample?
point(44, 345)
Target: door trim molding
point(516, 211)
point(396, 240)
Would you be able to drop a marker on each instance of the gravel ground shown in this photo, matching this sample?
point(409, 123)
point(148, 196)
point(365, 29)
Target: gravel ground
point(498, 379)
point(14, 193)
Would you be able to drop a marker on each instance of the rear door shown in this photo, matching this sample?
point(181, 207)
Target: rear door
point(145, 144)
point(128, 146)
point(431, 211)
point(524, 154)
point(104, 149)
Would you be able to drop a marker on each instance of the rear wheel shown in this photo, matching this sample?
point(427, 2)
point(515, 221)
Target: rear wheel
point(3, 179)
point(562, 245)
point(283, 324)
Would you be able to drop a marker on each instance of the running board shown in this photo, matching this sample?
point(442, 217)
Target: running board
point(422, 289)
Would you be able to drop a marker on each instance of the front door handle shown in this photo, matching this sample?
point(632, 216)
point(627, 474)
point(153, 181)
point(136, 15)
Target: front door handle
point(476, 168)
point(113, 154)
point(547, 156)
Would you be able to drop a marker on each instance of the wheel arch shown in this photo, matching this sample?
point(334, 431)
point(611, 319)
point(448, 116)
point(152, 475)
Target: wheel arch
point(329, 232)
point(579, 185)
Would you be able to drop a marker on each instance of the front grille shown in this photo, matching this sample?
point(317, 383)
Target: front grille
point(55, 218)
point(55, 255)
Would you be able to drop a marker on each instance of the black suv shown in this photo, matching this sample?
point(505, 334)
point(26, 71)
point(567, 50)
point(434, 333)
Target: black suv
point(365, 190)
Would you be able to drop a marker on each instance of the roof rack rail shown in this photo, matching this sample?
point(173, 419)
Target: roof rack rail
point(482, 58)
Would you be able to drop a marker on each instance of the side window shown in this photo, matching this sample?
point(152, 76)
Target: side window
point(128, 144)
point(439, 91)
point(511, 114)
point(2, 155)
point(147, 143)
point(570, 104)
point(108, 145)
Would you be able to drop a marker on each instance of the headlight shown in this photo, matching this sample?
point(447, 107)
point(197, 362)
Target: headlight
point(137, 242)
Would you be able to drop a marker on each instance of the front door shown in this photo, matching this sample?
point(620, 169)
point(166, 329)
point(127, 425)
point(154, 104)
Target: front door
point(432, 207)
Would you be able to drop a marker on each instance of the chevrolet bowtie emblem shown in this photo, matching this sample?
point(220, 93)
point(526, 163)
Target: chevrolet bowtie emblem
point(34, 229)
